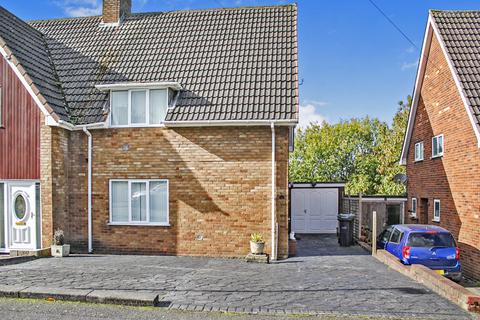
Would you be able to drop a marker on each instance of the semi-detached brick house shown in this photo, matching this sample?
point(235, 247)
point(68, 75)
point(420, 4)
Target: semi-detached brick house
point(441, 147)
point(158, 133)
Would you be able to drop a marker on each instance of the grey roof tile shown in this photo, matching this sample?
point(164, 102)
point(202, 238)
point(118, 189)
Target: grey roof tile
point(460, 31)
point(30, 54)
point(233, 64)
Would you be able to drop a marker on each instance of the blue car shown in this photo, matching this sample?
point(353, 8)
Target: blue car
point(431, 246)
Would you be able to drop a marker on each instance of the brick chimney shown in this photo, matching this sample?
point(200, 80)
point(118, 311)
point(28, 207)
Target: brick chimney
point(115, 10)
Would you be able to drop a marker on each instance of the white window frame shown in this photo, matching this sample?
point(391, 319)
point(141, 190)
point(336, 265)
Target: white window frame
point(436, 217)
point(419, 157)
point(414, 207)
point(138, 223)
point(443, 146)
point(129, 109)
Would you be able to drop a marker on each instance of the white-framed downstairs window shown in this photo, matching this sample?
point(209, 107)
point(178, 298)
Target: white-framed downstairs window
point(139, 202)
point(414, 207)
point(437, 146)
point(419, 151)
point(138, 107)
point(436, 210)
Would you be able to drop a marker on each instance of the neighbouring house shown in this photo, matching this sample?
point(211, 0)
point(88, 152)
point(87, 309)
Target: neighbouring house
point(441, 147)
point(152, 133)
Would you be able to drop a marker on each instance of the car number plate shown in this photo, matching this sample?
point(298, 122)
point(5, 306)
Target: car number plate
point(442, 272)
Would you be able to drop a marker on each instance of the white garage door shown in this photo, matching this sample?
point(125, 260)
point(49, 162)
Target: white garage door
point(314, 210)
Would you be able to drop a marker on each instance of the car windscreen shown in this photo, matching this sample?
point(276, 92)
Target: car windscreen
point(430, 239)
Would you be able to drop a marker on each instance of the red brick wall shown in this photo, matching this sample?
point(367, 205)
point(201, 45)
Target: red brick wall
point(46, 193)
point(54, 181)
point(77, 191)
point(454, 179)
point(220, 188)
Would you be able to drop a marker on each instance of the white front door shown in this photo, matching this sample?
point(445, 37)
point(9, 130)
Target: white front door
point(22, 215)
point(314, 210)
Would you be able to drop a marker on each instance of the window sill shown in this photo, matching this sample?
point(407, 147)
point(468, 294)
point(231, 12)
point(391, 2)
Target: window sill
point(435, 157)
point(133, 224)
point(436, 221)
point(419, 160)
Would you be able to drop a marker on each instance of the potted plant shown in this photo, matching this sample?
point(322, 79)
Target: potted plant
point(256, 243)
point(59, 248)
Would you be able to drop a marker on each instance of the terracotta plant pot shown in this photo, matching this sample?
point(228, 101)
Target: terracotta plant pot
point(60, 251)
point(257, 247)
point(292, 247)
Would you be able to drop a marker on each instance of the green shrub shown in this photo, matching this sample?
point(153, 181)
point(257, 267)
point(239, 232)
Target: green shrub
point(58, 238)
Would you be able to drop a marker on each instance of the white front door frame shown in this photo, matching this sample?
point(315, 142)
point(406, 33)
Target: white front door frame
point(8, 214)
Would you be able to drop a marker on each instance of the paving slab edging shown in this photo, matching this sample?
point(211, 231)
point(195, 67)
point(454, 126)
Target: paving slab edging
point(437, 283)
point(124, 297)
point(132, 298)
point(152, 299)
point(121, 297)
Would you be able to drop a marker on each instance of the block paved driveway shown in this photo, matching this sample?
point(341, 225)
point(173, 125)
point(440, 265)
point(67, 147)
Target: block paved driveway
point(323, 278)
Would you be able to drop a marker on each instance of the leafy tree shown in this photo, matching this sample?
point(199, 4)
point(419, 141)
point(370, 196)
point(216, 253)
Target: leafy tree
point(390, 149)
point(363, 152)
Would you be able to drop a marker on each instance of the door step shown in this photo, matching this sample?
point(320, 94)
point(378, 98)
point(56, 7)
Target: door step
point(6, 260)
point(39, 253)
point(258, 258)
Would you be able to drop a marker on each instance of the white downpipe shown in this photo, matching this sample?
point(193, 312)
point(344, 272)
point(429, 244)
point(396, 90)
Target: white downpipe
point(274, 245)
point(89, 187)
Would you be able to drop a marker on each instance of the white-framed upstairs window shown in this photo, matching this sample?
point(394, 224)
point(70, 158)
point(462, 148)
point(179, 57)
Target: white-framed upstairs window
point(138, 107)
point(419, 151)
point(436, 210)
point(139, 202)
point(414, 208)
point(437, 146)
